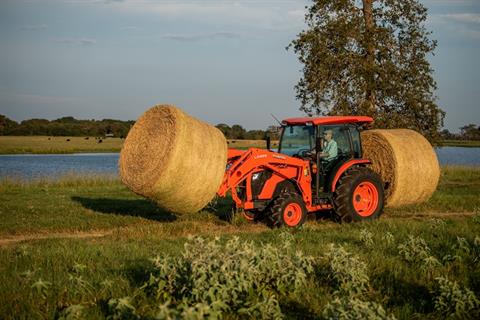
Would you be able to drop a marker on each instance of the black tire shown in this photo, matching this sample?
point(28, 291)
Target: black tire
point(288, 210)
point(359, 195)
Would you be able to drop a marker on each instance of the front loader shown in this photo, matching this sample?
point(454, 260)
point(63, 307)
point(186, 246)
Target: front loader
point(285, 186)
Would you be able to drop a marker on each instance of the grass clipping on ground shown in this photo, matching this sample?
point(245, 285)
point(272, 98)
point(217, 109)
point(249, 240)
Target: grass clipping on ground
point(173, 159)
point(406, 162)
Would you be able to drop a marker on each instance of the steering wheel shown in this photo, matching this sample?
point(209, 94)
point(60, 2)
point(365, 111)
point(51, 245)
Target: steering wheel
point(302, 153)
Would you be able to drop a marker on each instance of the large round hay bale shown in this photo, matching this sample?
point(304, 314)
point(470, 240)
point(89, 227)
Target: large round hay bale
point(406, 162)
point(173, 159)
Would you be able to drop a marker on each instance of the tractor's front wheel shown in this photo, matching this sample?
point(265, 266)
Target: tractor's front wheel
point(359, 195)
point(288, 210)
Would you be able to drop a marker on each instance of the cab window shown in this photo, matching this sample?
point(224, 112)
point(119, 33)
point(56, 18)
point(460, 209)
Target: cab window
point(355, 134)
point(296, 139)
point(340, 136)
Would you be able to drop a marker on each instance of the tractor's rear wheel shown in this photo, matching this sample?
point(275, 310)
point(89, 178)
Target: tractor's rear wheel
point(288, 210)
point(359, 195)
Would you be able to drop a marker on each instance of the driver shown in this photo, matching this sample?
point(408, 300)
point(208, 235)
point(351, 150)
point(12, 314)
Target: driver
point(330, 149)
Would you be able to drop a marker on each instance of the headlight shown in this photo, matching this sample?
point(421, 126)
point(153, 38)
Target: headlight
point(255, 176)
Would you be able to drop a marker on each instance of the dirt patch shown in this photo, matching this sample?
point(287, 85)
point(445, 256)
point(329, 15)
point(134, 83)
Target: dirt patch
point(422, 215)
point(11, 240)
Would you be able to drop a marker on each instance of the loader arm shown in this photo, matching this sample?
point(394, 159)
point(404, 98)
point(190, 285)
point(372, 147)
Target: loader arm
point(254, 160)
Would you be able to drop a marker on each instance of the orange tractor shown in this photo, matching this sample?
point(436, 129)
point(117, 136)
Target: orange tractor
point(307, 174)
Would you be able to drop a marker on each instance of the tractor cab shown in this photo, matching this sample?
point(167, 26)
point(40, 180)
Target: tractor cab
point(309, 139)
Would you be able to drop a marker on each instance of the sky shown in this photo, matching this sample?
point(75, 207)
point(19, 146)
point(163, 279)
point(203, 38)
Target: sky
point(221, 61)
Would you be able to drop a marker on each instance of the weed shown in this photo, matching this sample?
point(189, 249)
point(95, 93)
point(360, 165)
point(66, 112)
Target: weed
point(366, 237)
point(40, 287)
point(122, 308)
point(388, 238)
point(214, 279)
point(350, 308)
point(73, 312)
point(452, 301)
point(437, 224)
point(414, 250)
point(348, 271)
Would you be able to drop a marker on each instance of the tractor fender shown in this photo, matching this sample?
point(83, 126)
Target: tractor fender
point(344, 167)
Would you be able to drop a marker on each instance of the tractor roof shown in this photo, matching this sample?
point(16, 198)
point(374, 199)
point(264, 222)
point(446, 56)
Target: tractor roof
point(329, 120)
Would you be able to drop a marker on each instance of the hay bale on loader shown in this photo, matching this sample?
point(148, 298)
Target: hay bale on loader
point(406, 162)
point(173, 159)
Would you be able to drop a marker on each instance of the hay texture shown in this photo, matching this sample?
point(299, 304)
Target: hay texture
point(173, 159)
point(406, 162)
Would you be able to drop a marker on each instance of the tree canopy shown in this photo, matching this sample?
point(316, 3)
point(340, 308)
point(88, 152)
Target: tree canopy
point(369, 57)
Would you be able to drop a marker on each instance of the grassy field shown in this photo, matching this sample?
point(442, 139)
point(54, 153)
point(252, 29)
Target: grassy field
point(87, 246)
point(461, 143)
point(44, 144)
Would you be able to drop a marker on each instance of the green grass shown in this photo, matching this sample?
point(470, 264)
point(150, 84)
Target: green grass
point(51, 145)
point(460, 143)
point(140, 231)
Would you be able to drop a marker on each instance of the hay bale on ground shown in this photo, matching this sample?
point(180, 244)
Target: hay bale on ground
point(406, 162)
point(173, 159)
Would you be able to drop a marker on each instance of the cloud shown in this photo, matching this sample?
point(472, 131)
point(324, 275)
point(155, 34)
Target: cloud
point(473, 18)
point(465, 25)
point(34, 27)
point(77, 41)
point(129, 28)
point(197, 37)
point(264, 14)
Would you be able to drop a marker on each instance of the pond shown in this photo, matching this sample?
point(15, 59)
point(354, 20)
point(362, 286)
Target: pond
point(26, 166)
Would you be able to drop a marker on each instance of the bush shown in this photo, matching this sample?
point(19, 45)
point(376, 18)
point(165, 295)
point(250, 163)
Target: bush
point(212, 280)
point(414, 250)
point(348, 271)
point(350, 308)
point(452, 301)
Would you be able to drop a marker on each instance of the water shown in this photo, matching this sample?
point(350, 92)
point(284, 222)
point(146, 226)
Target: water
point(35, 166)
point(459, 156)
point(51, 166)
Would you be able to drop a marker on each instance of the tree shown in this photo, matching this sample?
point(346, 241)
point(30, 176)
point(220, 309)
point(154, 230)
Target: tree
point(238, 132)
point(225, 128)
point(369, 57)
point(470, 132)
point(6, 125)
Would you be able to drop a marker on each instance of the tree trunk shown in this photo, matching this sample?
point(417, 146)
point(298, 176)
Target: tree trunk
point(370, 55)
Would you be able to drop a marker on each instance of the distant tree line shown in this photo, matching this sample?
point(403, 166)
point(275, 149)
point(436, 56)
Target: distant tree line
point(66, 126)
point(238, 132)
point(69, 126)
point(468, 132)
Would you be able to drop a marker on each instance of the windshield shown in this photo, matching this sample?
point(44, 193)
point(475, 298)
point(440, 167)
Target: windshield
point(296, 138)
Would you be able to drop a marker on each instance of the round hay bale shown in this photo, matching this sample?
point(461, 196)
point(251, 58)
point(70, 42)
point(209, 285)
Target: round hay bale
point(406, 162)
point(173, 159)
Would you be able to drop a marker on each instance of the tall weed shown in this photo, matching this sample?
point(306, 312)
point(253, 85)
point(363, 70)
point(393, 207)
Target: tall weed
point(454, 302)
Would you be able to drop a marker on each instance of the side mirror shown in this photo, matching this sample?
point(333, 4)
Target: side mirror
point(268, 142)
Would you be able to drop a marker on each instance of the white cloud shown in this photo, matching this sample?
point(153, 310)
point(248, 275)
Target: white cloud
point(265, 14)
point(205, 36)
point(77, 41)
point(465, 25)
point(34, 27)
point(462, 17)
